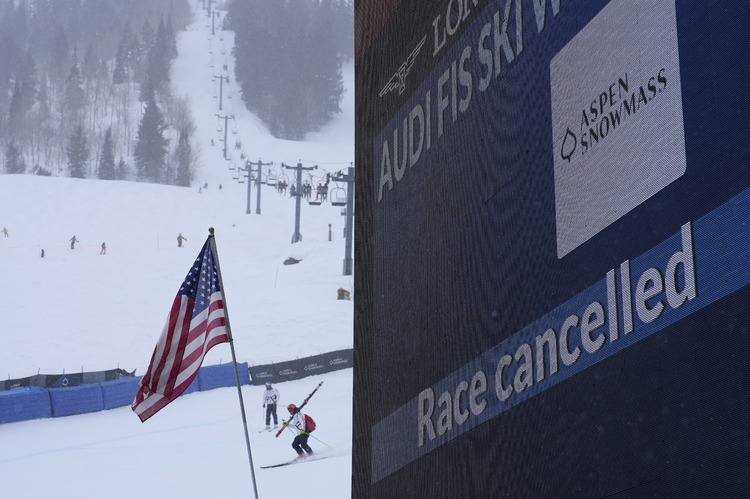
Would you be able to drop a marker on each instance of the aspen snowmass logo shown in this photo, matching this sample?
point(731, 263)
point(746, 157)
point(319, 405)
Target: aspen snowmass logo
point(608, 111)
point(616, 117)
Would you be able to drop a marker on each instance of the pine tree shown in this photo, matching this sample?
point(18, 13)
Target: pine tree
point(107, 160)
point(291, 75)
point(90, 67)
point(124, 58)
point(171, 39)
point(121, 170)
point(78, 153)
point(44, 100)
point(151, 145)
point(9, 64)
point(344, 16)
point(326, 82)
point(184, 155)
point(140, 50)
point(14, 163)
point(156, 77)
point(23, 95)
point(60, 53)
point(16, 111)
point(120, 73)
point(74, 95)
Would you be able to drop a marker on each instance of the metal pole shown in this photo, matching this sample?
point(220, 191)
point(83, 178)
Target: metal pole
point(226, 120)
point(298, 201)
point(257, 202)
point(297, 236)
point(348, 262)
point(221, 90)
point(234, 358)
point(248, 164)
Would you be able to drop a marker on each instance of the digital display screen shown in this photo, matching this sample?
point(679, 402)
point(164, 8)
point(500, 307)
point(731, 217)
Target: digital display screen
point(553, 236)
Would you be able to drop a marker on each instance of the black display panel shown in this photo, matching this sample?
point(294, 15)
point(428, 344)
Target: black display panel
point(553, 236)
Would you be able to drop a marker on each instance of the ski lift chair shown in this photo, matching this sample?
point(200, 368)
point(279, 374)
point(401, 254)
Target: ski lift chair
point(338, 196)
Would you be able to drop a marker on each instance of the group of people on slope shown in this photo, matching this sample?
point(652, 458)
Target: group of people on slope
point(73, 242)
point(298, 422)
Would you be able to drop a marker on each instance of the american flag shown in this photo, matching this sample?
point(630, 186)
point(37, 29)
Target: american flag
point(194, 325)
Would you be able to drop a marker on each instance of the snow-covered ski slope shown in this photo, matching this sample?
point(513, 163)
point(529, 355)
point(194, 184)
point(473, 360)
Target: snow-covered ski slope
point(78, 310)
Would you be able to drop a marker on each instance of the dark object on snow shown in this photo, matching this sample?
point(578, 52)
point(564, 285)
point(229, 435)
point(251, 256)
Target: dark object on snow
point(291, 261)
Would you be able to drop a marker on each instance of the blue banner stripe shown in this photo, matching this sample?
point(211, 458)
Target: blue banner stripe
point(721, 244)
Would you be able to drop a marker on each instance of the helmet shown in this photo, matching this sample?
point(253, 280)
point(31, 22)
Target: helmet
point(291, 408)
point(268, 385)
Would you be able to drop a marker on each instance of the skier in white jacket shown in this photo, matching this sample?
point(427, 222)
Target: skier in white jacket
point(300, 441)
point(270, 398)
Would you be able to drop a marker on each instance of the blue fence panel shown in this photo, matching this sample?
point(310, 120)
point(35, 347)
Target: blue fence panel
point(120, 392)
point(194, 387)
point(222, 375)
point(76, 400)
point(244, 371)
point(24, 403)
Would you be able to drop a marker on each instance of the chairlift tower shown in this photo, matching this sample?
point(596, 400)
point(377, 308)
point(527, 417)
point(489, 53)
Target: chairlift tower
point(348, 230)
point(226, 121)
point(297, 236)
point(221, 88)
point(259, 164)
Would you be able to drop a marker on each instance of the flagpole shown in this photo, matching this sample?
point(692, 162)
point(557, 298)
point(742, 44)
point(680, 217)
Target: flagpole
point(234, 357)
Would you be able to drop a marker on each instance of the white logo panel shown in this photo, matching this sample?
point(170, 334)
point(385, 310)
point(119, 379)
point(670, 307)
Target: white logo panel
point(616, 117)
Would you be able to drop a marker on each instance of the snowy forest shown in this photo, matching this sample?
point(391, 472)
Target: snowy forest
point(85, 87)
point(290, 71)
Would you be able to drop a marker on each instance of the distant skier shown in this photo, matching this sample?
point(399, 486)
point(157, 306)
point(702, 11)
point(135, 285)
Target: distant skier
point(180, 238)
point(42, 253)
point(73, 242)
point(300, 441)
point(270, 398)
point(104, 249)
point(5, 231)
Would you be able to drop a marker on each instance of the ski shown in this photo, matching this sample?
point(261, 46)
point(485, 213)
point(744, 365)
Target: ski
point(295, 461)
point(283, 427)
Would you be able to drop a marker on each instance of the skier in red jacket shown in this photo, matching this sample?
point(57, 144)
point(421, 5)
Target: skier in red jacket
point(300, 441)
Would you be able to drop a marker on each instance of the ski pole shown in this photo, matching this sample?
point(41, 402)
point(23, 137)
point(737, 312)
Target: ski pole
point(301, 406)
point(319, 440)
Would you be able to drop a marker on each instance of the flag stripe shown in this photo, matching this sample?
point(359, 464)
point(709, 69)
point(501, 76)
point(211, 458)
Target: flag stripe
point(156, 358)
point(172, 358)
point(204, 335)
